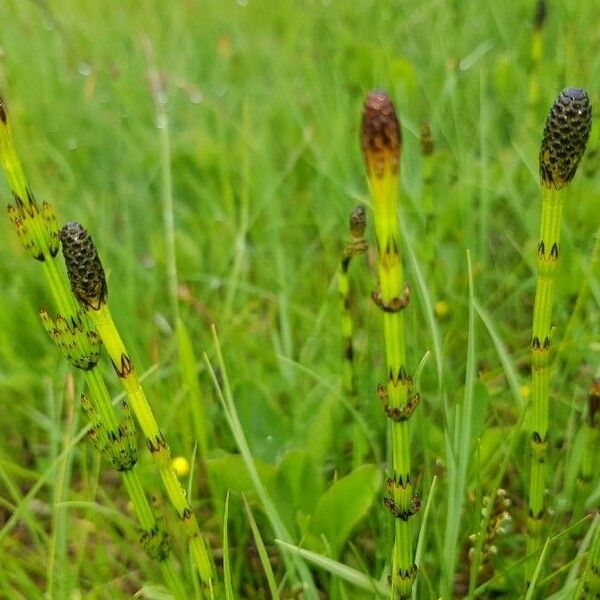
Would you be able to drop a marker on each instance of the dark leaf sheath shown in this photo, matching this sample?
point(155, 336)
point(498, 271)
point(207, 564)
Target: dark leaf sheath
point(565, 137)
point(84, 268)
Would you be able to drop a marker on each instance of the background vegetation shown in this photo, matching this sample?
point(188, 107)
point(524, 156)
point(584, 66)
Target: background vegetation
point(263, 102)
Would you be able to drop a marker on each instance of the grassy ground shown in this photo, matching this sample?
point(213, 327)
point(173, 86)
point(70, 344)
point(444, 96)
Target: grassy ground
point(263, 103)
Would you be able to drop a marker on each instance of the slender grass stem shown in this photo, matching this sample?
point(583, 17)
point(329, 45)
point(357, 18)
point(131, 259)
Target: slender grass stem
point(297, 569)
point(565, 137)
point(381, 143)
point(159, 97)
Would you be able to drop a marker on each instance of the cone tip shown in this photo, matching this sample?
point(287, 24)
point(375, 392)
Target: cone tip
point(381, 137)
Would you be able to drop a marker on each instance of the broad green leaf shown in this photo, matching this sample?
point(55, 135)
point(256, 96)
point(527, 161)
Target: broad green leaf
point(296, 487)
point(229, 473)
point(321, 429)
point(342, 506)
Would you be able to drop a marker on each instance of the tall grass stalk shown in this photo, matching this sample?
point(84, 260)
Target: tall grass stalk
point(74, 336)
point(381, 145)
point(459, 450)
point(56, 570)
point(88, 284)
point(185, 349)
point(344, 572)
point(296, 566)
point(565, 137)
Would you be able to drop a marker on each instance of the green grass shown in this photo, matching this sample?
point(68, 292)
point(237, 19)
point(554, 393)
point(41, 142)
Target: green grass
point(258, 168)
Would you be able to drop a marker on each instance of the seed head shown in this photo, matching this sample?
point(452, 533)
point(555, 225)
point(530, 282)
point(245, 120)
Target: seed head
point(565, 137)
point(381, 137)
point(83, 266)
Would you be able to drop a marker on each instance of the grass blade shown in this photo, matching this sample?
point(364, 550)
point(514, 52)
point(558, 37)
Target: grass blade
point(262, 553)
point(226, 559)
point(297, 567)
point(356, 578)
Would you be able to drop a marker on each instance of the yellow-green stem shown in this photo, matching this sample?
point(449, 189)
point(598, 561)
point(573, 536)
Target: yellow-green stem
point(155, 440)
point(381, 142)
point(548, 254)
point(565, 137)
point(67, 306)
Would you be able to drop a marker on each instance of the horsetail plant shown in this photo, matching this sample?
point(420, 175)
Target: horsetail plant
point(74, 336)
point(114, 437)
point(381, 142)
point(88, 284)
point(356, 246)
point(565, 137)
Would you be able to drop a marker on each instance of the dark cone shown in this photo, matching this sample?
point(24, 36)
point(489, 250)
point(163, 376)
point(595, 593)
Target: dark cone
point(381, 138)
point(358, 221)
point(83, 266)
point(565, 137)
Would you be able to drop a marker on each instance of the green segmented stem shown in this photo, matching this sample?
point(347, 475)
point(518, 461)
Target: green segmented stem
point(381, 144)
point(39, 233)
point(565, 136)
point(31, 224)
point(357, 245)
point(88, 283)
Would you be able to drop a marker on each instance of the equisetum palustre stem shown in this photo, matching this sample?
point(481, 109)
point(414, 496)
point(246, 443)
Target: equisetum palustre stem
point(88, 284)
point(114, 436)
point(381, 144)
point(565, 137)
